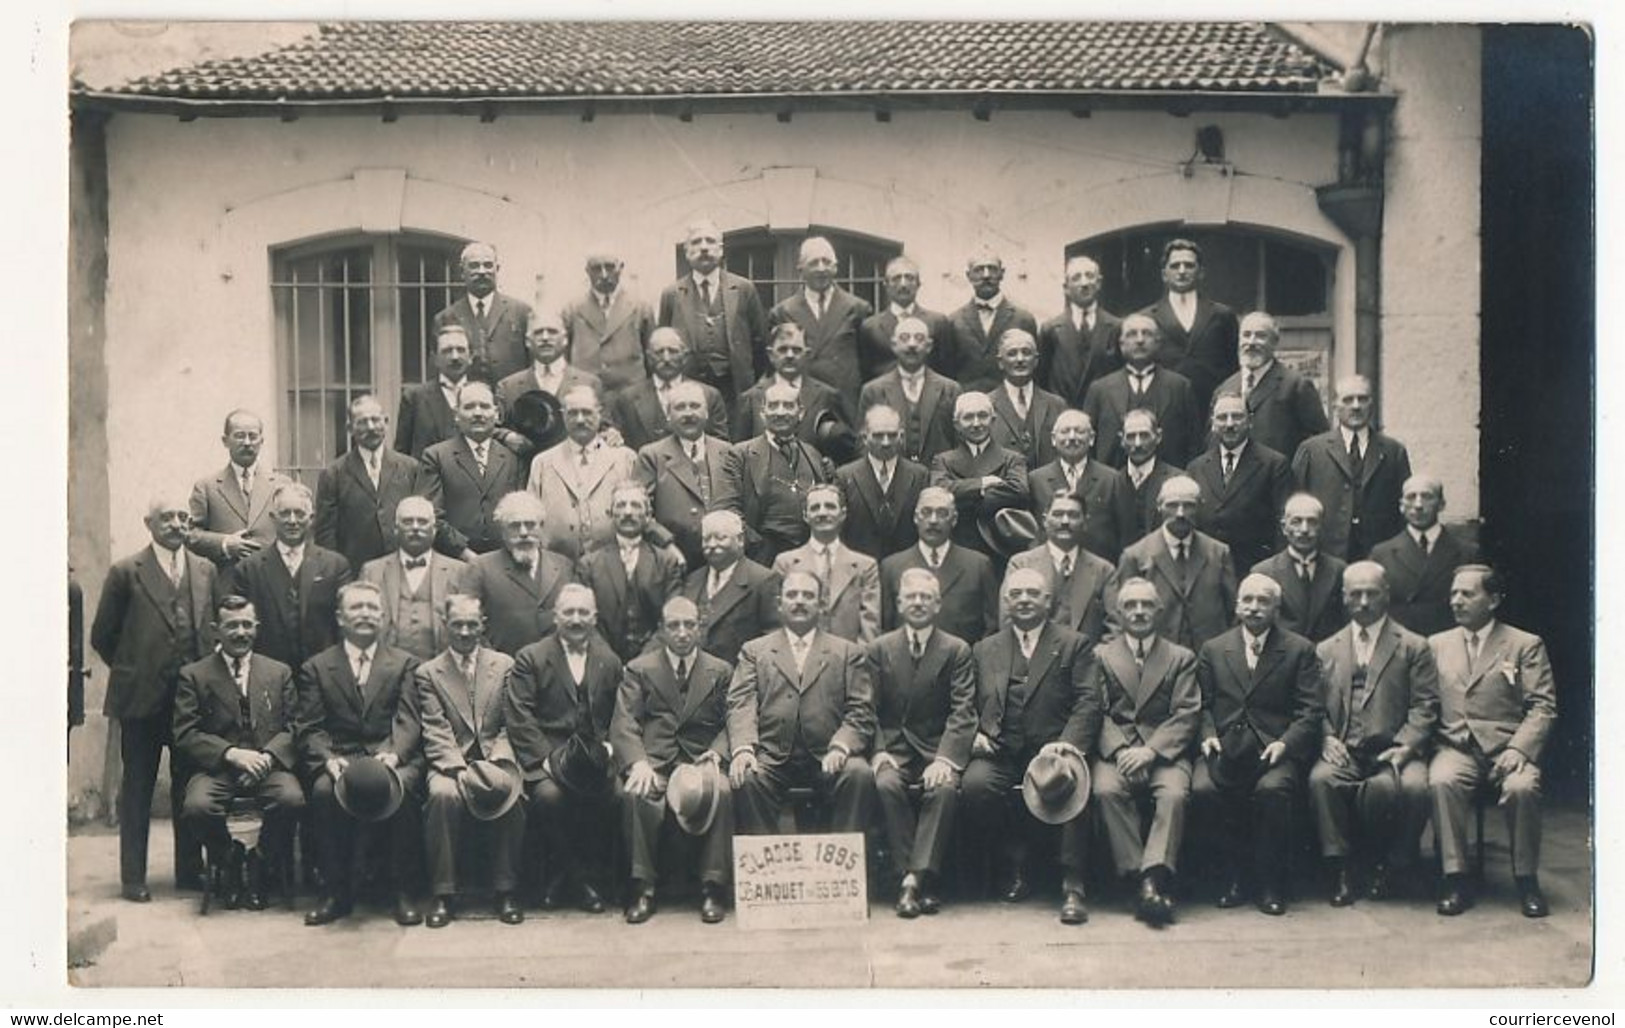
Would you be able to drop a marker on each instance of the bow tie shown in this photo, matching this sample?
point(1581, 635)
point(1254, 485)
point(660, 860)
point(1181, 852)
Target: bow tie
point(986, 306)
point(413, 563)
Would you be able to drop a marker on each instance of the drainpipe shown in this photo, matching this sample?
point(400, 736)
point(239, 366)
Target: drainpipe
point(1354, 204)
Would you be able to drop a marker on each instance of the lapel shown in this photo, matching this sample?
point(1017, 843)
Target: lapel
point(1340, 676)
point(1263, 389)
point(1387, 644)
point(1235, 646)
point(1163, 559)
point(1044, 654)
point(1003, 314)
point(225, 687)
point(1489, 654)
point(488, 683)
point(1268, 659)
point(1005, 410)
point(307, 575)
point(232, 492)
point(619, 584)
point(455, 688)
point(620, 308)
point(931, 390)
point(157, 584)
point(843, 567)
point(931, 661)
point(664, 681)
point(732, 594)
point(1410, 558)
point(464, 456)
point(565, 682)
point(1085, 583)
point(1147, 681)
point(952, 568)
point(678, 464)
point(1374, 457)
point(698, 690)
point(357, 470)
point(868, 488)
point(264, 486)
point(786, 661)
point(441, 575)
point(391, 585)
point(1320, 591)
point(817, 660)
point(518, 576)
point(730, 299)
point(1247, 465)
point(1340, 454)
point(1204, 311)
point(1119, 660)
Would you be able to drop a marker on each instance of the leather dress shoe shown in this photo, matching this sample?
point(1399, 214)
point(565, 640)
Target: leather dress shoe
point(589, 900)
point(328, 911)
point(1379, 886)
point(406, 915)
point(439, 913)
point(136, 892)
point(508, 909)
point(553, 896)
point(711, 907)
point(1149, 907)
point(1342, 887)
point(641, 908)
point(1454, 899)
point(1530, 899)
point(1270, 902)
point(1233, 895)
point(930, 901)
point(1073, 910)
point(1016, 889)
point(908, 901)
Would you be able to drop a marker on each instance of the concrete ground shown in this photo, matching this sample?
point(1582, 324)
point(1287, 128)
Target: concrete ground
point(1395, 944)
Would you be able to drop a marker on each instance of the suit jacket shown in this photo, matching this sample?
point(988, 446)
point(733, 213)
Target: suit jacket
point(970, 592)
point(1358, 514)
point(745, 608)
point(577, 498)
point(1284, 699)
point(518, 605)
point(852, 594)
point(1284, 406)
point(219, 509)
point(1136, 509)
point(779, 712)
point(512, 387)
point(425, 419)
point(1244, 513)
point(463, 721)
point(744, 321)
point(208, 712)
point(1207, 353)
point(971, 356)
point(1032, 436)
point(1170, 396)
point(298, 618)
point(496, 345)
point(636, 411)
point(144, 637)
point(765, 500)
point(933, 432)
point(1159, 705)
point(924, 709)
point(444, 575)
point(1400, 704)
point(681, 493)
point(1062, 705)
point(1081, 604)
point(832, 341)
point(1506, 698)
point(463, 498)
point(667, 722)
point(545, 706)
point(819, 400)
point(629, 610)
point(1202, 608)
point(1419, 586)
point(610, 344)
point(1314, 610)
point(875, 334)
point(1068, 361)
point(880, 523)
point(352, 516)
point(339, 718)
point(1097, 488)
point(960, 472)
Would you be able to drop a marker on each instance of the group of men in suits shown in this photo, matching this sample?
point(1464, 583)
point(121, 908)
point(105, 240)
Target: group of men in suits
point(1036, 576)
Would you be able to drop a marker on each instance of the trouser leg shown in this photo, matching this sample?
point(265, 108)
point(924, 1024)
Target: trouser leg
point(507, 839)
point(759, 800)
point(442, 829)
point(1413, 814)
point(1170, 793)
point(1115, 802)
point(204, 810)
point(1520, 793)
point(642, 817)
point(1332, 788)
point(1272, 820)
point(1376, 802)
point(897, 814)
point(335, 837)
point(141, 740)
point(937, 811)
point(852, 796)
point(1452, 778)
point(716, 851)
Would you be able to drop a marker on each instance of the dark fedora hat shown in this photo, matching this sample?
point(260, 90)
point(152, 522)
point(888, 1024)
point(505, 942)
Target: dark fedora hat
point(1056, 787)
point(1237, 759)
point(369, 790)
point(693, 793)
point(1010, 531)
point(581, 766)
point(539, 417)
point(489, 788)
point(834, 437)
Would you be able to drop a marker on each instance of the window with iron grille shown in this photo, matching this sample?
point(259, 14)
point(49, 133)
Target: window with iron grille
point(768, 259)
point(353, 316)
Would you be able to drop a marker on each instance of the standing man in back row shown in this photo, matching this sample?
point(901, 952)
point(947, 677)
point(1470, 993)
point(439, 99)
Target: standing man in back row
point(718, 313)
point(971, 359)
point(494, 322)
point(1198, 334)
point(608, 329)
point(829, 318)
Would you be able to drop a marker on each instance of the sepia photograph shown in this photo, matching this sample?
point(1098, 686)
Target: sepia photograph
point(830, 505)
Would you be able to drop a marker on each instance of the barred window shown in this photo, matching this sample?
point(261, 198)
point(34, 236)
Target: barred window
point(768, 259)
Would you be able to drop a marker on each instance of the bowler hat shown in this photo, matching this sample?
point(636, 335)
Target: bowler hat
point(693, 793)
point(1237, 759)
point(580, 766)
point(489, 788)
point(369, 790)
point(539, 417)
point(1056, 786)
point(1010, 531)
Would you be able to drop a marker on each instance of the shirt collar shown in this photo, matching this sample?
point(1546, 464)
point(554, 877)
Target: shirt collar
point(1260, 371)
point(806, 640)
point(1483, 633)
point(1348, 434)
point(404, 557)
point(1148, 371)
point(577, 451)
point(715, 278)
point(1168, 537)
point(920, 635)
point(628, 544)
point(925, 549)
point(1144, 469)
point(1431, 534)
point(676, 381)
point(812, 298)
point(352, 651)
point(1076, 312)
point(1014, 391)
point(1373, 630)
point(446, 383)
point(779, 379)
point(168, 557)
point(723, 575)
point(880, 466)
point(605, 299)
point(672, 658)
point(1298, 558)
point(1250, 639)
point(557, 367)
point(905, 312)
point(1238, 450)
point(993, 302)
point(289, 552)
point(239, 471)
point(475, 444)
point(1080, 467)
point(911, 376)
point(977, 448)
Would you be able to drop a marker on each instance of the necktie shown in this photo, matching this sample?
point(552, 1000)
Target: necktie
point(468, 670)
point(818, 306)
point(604, 302)
point(915, 645)
point(1139, 381)
point(1073, 473)
point(1356, 458)
point(1181, 564)
point(682, 672)
point(172, 568)
point(1246, 383)
point(479, 456)
point(1139, 653)
point(1254, 648)
point(247, 479)
point(295, 560)
point(583, 456)
point(1229, 465)
point(665, 398)
point(1365, 646)
point(1306, 570)
point(1021, 403)
point(245, 709)
point(372, 467)
point(238, 676)
point(479, 309)
point(1027, 642)
point(705, 291)
point(1472, 648)
point(790, 452)
point(1066, 566)
point(1422, 541)
point(935, 558)
point(413, 563)
point(361, 662)
point(911, 387)
point(629, 559)
point(713, 585)
point(826, 567)
point(885, 479)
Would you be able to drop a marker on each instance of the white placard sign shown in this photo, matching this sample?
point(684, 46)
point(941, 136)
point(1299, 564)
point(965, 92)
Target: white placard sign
point(800, 881)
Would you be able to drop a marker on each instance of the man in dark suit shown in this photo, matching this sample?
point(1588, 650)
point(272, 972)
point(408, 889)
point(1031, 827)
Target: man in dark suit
point(518, 584)
point(1073, 473)
point(925, 718)
point(1422, 559)
point(1139, 481)
point(643, 411)
point(356, 495)
point(231, 510)
point(1262, 705)
point(977, 327)
point(1033, 696)
point(876, 334)
point(1194, 573)
point(1199, 334)
point(826, 413)
point(415, 582)
point(983, 477)
point(1023, 414)
point(1152, 708)
point(493, 321)
point(801, 712)
point(428, 410)
point(357, 699)
point(1244, 485)
point(549, 371)
point(881, 488)
point(1284, 406)
point(1077, 578)
point(560, 698)
point(683, 470)
point(970, 605)
point(630, 580)
point(829, 318)
point(466, 475)
point(1079, 344)
point(718, 313)
point(922, 398)
point(765, 478)
point(234, 719)
point(467, 753)
point(153, 618)
point(738, 599)
point(672, 710)
point(1356, 472)
point(1311, 581)
point(850, 580)
point(1382, 699)
point(1143, 382)
point(608, 329)
point(293, 584)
